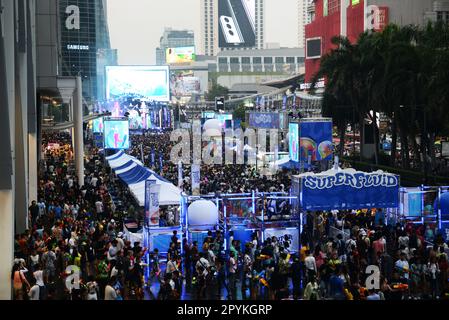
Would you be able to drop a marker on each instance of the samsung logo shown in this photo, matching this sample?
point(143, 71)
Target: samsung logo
point(77, 47)
point(358, 181)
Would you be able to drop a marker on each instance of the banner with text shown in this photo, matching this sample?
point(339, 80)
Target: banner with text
point(349, 189)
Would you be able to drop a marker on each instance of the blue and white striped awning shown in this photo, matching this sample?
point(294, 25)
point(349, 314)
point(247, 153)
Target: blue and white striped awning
point(132, 172)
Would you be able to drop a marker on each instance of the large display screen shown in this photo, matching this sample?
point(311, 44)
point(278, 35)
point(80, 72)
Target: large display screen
point(180, 55)
point(316, 141)
point(184, 84)
point(236, 19)
point(151, 82)
point(116, 134)
point(97, 125)
point(293, 141)
point(313, 48)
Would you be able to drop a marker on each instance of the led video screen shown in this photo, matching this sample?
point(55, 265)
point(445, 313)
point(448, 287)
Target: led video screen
point(116, 134)
point(151, 82)
point(97, 125)
point(236, 20)
point(316, 141)
point(180, 55)
point(313, 48)
point(293, 141)
point(184, 84)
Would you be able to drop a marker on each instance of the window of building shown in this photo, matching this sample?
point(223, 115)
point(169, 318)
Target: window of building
point(246, 60)
point(290, 59)
point(279, 59)
point(223, 60)
point(268, 60)
point(257, 60)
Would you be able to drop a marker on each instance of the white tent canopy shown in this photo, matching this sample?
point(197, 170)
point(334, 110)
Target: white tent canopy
point(134, 174)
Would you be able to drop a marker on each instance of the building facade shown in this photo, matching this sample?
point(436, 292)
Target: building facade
point(303, 20)
point(258, 66)
point(173, 39)
point(351, 17)
point(210, 27)
point(18, 127)
point(84, 38)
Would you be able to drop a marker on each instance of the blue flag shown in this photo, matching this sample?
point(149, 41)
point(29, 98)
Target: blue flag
point(152, 157)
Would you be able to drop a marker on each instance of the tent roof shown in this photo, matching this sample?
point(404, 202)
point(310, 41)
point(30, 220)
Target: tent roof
point(134, 174)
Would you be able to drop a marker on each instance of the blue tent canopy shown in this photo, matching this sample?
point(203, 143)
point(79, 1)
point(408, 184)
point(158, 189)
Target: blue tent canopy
point(126, 165)
point(135, 175)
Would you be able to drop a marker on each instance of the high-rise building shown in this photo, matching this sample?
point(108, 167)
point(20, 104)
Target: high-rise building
point(173, 39)
point(302, 21)
point(85, 44)
point(210, 25)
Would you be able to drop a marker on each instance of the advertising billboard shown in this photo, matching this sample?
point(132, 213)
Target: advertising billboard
point(316, 140)
point(151, 82)
point(264, 120)
point(184, 84)
point(236, 20)
point(180, 55)
point(97, 125)
point(116, 134)
point(293, 141)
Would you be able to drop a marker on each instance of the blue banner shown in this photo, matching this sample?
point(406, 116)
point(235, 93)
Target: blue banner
point(264, 120)
point(349, 190)
point(152, 157)
point(316, 141)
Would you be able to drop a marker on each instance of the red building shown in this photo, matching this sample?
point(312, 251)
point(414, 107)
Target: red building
point(338, 17)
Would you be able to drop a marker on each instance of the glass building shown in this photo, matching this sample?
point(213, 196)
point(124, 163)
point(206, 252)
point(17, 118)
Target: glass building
point(85, 44)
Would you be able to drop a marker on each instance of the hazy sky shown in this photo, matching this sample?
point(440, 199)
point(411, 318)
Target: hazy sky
point(136, 26)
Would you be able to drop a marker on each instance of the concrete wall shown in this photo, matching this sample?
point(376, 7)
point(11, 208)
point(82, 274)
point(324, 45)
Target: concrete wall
point(47, 43)
point(18, 81)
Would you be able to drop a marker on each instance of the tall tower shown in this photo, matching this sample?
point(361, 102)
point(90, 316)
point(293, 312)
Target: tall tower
point(302, 21)
point(210, 25)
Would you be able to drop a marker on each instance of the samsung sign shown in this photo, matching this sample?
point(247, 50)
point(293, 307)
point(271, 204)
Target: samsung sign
point(77, 47)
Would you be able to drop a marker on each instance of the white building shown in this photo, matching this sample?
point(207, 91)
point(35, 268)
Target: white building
point(302, 21)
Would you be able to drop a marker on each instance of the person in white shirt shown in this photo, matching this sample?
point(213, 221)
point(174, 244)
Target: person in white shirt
point(403, 267)
point(99, 206)
point(310, 264)
point(34, 292)
point(120, 242)
point(92, 289)
point(109, 292)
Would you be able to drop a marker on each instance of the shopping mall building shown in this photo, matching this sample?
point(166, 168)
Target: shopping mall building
point(349, 18)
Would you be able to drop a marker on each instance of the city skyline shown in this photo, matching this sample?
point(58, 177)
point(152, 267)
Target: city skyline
point(124, 19)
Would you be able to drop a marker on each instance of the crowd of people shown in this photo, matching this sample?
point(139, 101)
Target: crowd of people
point(78, 232)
